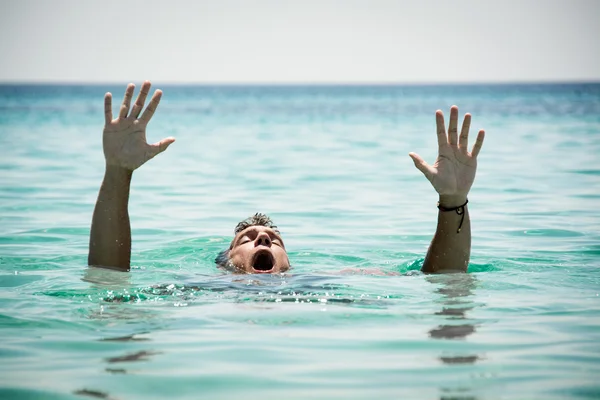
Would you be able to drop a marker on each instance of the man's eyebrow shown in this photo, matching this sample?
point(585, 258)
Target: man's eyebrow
point(277, 236)
point(250, 229)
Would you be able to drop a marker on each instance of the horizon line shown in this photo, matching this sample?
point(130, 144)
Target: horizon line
point(306, 83)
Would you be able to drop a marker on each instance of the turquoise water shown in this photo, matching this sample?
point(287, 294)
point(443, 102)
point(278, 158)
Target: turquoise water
point(354, 319)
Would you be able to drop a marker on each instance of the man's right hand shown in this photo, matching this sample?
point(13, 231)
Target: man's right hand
point(124, 138)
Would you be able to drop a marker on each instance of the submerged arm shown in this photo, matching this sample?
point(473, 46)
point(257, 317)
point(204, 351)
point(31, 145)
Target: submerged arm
point(125, 150)
point(452, 176)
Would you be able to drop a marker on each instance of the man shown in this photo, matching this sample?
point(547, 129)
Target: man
point(257, 246)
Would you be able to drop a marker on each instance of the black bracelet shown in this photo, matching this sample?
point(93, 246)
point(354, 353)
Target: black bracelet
point(460, 210)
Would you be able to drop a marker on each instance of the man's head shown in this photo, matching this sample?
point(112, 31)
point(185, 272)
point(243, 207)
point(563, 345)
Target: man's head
point(257, 248)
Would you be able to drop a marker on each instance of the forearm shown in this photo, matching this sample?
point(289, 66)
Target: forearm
point(110, 236)
point(450, 250)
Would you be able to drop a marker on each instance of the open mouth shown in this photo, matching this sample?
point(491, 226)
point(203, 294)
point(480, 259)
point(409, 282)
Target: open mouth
point(263, 261)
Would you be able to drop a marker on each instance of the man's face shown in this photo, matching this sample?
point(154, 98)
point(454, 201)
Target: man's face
point(259, 250)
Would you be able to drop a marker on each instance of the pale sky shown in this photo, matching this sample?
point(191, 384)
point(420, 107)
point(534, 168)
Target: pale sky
point(320, 41)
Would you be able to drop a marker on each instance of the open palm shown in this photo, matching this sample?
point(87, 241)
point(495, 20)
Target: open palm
point(453, 172)
point(124, 138)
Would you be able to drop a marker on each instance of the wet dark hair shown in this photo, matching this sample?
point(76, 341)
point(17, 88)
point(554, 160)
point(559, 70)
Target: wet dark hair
point(222, 260)
point(259, 219)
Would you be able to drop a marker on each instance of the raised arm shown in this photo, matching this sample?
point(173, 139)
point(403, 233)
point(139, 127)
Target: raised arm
point(452, 176)
point(125, 150)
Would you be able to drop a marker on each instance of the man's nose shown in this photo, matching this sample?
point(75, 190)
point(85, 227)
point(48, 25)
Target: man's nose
point(262, 239)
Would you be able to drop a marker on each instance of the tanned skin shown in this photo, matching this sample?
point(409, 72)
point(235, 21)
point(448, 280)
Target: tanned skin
point(452, 176)
point(126, 149)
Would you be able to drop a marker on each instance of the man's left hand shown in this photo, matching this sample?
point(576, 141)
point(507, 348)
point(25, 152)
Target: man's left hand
point(453, 172)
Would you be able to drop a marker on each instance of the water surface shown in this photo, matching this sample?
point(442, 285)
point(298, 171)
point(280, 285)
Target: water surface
point(354, 318)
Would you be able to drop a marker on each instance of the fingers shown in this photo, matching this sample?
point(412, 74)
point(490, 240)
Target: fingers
point(478, 143)
point(127, 100)
point(464, 132)
point(149, 112)
point(453, 126)
point(141, 99)
point(161, 146)
point(441, 128)
point(422, 165)
point(107, 108)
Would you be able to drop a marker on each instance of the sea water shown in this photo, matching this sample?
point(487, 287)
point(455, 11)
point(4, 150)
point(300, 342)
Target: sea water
point(354, 318)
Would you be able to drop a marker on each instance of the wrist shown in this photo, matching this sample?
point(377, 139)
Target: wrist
point(451, 201)
point(117, 173)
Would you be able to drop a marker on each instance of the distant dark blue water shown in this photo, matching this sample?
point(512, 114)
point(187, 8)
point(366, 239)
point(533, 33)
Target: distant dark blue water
point(354, 319)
